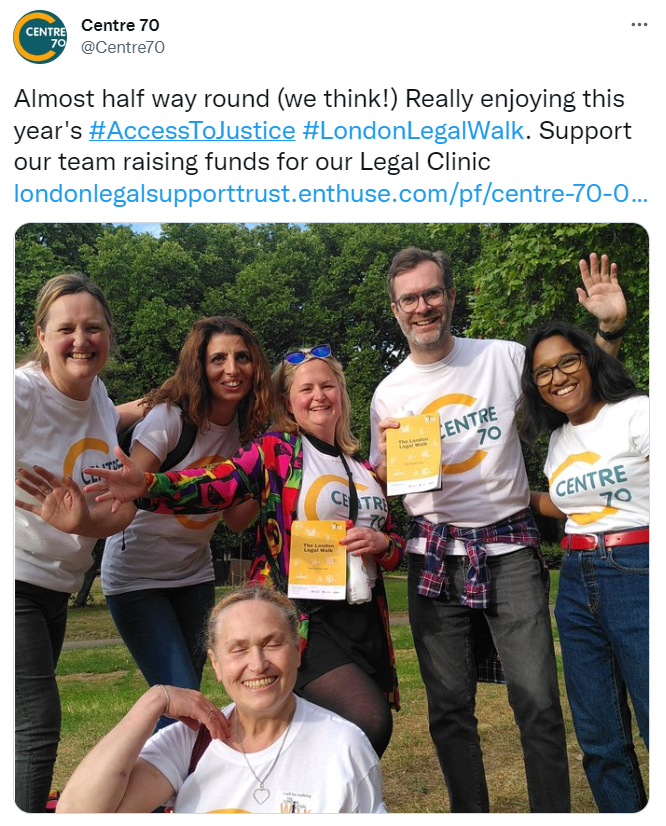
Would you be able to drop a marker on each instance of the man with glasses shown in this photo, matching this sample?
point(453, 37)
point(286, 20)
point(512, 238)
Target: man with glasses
point(473, 547)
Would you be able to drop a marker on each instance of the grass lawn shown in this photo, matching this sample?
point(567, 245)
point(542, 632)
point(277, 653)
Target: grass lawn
point(98, 685)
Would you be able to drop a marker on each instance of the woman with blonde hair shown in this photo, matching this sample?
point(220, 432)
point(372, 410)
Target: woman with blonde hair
point(306, 468)
point(65, 421)
point(267, 752)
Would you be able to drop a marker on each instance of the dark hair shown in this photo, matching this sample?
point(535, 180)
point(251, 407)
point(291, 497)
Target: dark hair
point(67, 283)
point(610, 381)
point(411, 257)
point(188, 387)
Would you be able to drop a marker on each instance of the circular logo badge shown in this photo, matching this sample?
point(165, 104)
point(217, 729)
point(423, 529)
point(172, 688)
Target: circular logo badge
point(40, 36)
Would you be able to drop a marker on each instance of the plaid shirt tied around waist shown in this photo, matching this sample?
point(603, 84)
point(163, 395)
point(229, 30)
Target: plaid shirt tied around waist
point(518, 529)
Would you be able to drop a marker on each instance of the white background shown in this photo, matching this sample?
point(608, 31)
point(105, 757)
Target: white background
point(479, 47)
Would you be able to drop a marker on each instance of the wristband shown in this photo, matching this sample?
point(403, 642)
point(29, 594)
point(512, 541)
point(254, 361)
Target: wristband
point(611, 336)
point(168, 701)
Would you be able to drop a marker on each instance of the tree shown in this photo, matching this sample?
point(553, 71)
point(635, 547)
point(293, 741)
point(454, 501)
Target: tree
point(42, 251)
point(528, 273)
point(64, 240)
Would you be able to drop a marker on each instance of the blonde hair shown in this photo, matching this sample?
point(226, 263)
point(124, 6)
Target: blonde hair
point(67, 283)
point(253, 592)
point(283, 420)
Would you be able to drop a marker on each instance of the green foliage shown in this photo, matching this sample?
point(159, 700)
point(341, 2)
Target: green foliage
point(552, 554)
point(528, 273)
point(322, 283)
point(42, 251)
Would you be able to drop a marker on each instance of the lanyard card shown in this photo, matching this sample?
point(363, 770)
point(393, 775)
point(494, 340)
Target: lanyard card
point(317, 560)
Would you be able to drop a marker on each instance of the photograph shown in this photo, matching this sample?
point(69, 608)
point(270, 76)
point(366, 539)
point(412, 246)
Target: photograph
point(366, 497)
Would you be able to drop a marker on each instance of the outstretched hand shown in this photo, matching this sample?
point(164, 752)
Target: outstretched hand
point(118, 486)
point(602, 295)
point(61, 502)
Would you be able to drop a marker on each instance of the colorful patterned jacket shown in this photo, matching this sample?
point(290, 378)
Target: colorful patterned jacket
point(270, 470)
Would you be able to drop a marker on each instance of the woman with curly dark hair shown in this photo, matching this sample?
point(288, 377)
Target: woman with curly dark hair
point(157, 574)
point(598, 473)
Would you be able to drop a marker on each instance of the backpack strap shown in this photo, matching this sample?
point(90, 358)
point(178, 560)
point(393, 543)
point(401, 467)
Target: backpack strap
point(186, 439)
point(187, 436)
point(200, 745)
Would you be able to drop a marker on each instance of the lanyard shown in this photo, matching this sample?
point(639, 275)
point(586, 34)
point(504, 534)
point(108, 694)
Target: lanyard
point(334, 450)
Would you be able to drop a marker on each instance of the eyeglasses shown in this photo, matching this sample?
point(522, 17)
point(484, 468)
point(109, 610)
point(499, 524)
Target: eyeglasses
point(567, 365)
point(321, 351)
point(434, 297)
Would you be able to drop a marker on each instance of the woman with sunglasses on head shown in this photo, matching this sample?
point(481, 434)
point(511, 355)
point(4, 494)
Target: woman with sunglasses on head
point(598, 472)
point(307, 468)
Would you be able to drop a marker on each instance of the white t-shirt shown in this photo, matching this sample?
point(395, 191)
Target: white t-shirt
point(168, 551)
point(62, 435)
point(598, 472)
point(326, 765)
point(475, 390)
point(324, 492)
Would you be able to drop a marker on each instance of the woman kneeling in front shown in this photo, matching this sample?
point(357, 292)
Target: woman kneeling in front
point(270, 752)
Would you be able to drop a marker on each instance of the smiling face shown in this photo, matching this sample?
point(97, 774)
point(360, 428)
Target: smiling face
point(427, 329)
point(229, 372)
point(256, 659)
point(314, 399)
point(571, 394)
point(76, 340)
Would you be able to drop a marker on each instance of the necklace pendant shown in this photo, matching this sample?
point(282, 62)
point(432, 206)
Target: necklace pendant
point(261, 795)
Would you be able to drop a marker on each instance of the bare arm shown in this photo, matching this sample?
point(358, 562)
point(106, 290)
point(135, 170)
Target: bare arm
point(129, 413)
point(113, 778)
point(602, 297)
point(241, 515)
point(543, 505)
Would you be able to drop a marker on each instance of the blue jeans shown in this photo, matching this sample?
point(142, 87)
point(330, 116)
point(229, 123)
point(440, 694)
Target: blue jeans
point(519, 621)
point(164, 630)
point(40, 621)
point(602, 614)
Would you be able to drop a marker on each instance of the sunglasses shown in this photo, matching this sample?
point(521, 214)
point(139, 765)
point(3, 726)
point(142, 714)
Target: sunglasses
point(321, 351)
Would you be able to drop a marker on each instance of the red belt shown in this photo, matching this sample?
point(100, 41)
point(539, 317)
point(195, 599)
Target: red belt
point(590, 541)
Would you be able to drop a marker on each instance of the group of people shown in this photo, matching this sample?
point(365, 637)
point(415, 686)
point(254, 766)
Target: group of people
point(281, 448)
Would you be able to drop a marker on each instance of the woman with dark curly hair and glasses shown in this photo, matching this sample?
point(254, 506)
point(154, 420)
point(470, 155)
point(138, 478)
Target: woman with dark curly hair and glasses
point(307, 468)
point(598, 473)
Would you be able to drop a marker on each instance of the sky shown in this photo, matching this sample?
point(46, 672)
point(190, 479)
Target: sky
point(153, 229)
